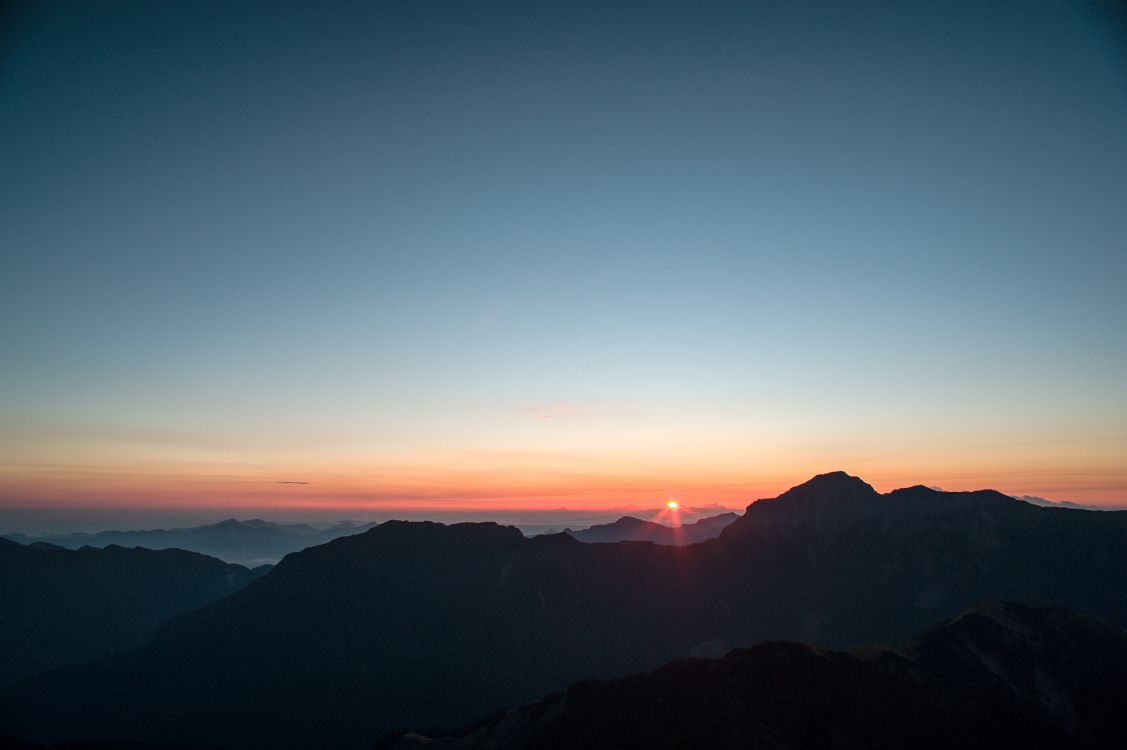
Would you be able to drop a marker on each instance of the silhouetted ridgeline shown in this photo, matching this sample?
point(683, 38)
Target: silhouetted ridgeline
point(59, 606)
point(252, 543)
point(422, 625)
point(999, 675)
point(630, 529)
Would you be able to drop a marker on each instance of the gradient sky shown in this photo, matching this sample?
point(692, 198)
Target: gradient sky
point(478, 254)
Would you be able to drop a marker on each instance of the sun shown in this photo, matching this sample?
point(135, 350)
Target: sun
point(673, 505)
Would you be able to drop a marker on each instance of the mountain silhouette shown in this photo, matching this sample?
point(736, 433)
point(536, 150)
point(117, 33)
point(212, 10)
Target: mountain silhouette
point(630, 529)
point(252, 542)
point(1033, 499)
point(998, 675)
point(59, 606)
point(422, 624)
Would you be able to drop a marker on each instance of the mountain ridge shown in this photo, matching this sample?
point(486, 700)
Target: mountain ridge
point(998, 674)
point(60, 606)
point(630, 528)
point(395, 622)
point(250, 542)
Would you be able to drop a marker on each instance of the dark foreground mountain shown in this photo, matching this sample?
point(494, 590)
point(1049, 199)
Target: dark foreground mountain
point(421, 625)
point(999, 675)
point(60, 606)
point(630, 529)
point(17, 744)
point(251, 543)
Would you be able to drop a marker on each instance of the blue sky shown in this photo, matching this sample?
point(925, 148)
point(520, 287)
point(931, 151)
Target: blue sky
point(589, 252)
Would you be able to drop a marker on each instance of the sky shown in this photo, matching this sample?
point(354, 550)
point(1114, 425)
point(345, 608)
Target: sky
point(480, 256)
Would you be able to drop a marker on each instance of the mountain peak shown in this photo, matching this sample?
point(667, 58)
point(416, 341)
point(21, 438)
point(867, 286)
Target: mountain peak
point(834, 481)
point(830, 500)
point(626, 521)
point(836, 487)
point(1020, 618)
point(433, 532)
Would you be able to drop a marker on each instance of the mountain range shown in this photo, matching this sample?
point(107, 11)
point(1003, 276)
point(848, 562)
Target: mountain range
point(998, 675)
point(1033, 499)
point(59, 606)
point(422, 624)
point(253, 542)
point(631, 529)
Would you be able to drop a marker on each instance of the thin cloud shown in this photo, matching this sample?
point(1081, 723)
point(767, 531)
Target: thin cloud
point(551, 411)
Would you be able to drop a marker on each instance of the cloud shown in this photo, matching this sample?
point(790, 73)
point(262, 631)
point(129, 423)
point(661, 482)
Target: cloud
point(290, 481)
point(550, 411)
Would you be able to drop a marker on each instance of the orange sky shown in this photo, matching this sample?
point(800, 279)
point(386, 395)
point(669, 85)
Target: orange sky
point(469, 481)
point(581, 457)
point(702, 255)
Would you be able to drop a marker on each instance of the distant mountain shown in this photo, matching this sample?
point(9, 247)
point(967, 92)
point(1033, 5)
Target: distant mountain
point(630, 529)
point(59, 606)
point(1033, 499)
point(999, 675)
point(253, 542)
point(421, 625)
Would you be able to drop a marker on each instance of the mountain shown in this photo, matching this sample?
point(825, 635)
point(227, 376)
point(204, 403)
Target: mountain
point(999, 675)
point(630, 529)
point(1064, 503)
point(251, 543)
point(59, 606)
point(421, 624)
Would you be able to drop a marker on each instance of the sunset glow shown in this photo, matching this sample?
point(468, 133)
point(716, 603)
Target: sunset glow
point(464, 292)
